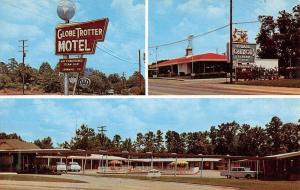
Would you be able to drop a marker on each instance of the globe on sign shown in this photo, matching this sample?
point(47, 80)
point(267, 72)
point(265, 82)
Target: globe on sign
point(66, 9)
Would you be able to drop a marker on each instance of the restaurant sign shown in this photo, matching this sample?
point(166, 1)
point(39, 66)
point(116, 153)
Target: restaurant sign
point(243, 52)
point(79, 38)
point(72, 65)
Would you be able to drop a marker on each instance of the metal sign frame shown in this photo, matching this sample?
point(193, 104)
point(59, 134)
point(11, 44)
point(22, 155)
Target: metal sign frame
point(79, 24)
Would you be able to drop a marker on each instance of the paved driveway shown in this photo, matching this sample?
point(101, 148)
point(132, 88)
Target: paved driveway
point(100, 183)
point(213, 87)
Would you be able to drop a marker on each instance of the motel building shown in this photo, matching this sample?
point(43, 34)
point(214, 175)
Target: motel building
point(22, 157)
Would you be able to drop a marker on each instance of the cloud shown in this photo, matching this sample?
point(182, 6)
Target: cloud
point(5, 105)
point(202, 7)
point(215, 10)
point(267, 7)
point(167, 3)
point(134, 13)
point(18, 31)
point(46, 46)
point(27, 9)
point(191, 6)
point(52, 112)
point(6, 47)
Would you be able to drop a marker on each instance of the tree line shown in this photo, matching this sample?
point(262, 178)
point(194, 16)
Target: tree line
point(48, 80)
point(227, 138)
point(279, 38)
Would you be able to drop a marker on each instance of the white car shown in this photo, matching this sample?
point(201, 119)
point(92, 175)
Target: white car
point(154, 173)
point(73, 166)
point(61, 167)
point(239, 172)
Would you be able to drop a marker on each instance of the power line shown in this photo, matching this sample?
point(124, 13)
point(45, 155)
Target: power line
point(186, 39)
point(116, 56)
point(22, 8)
point(203, 34)
point(246, 22)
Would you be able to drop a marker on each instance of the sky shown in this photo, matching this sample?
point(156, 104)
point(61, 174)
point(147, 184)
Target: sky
point(173, 20)
point(38, 118)
point(36, 20)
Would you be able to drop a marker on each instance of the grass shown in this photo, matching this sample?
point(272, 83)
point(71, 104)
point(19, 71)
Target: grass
point(25, 177)
point(291, 83)
point(242, 184)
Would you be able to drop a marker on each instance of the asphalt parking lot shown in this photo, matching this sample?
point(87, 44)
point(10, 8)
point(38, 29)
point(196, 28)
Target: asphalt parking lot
point(213, 87)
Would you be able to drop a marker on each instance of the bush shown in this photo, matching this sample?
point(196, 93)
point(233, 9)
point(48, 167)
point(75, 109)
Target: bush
point(52, 86)
point(4, 80)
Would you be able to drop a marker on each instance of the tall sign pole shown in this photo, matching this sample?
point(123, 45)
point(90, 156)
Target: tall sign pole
point(66, 10)
point(66, 77)
point(230, 51)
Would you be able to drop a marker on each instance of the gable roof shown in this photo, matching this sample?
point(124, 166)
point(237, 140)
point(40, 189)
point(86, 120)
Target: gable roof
point(16, 144)
point(193, 58)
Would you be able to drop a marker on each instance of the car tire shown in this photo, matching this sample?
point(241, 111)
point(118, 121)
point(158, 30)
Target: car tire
point(248, 176)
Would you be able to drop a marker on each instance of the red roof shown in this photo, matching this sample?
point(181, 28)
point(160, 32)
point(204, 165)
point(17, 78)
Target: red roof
point(194, 58)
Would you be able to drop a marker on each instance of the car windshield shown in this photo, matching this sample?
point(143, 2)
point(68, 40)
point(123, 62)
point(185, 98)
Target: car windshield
point(60, 163)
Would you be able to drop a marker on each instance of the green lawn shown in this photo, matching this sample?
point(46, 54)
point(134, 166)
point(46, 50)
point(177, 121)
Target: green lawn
point(243, 184)
point(24, 177)
point(292, 83)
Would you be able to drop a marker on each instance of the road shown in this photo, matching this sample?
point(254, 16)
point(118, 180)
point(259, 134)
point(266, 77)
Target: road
point(104, 183)
point(213, 87)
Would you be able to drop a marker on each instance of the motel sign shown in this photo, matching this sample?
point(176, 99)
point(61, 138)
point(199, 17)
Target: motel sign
point(79, 38)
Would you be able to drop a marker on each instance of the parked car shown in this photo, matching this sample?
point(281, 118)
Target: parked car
point(74, 167)
point(239, 172)
point(61, 167)
point(154, 173)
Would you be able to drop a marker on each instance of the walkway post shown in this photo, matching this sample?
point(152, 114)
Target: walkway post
point(175, 166)
point(202, 167)
point(229, 166)
point(257, 165)
point(102, 164)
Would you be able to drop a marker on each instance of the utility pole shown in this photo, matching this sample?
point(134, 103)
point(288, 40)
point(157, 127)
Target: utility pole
point(231, 62)
point(102, 130)
point(23, 51)
point(140, 74)
point(123, 81)
point(156, 61)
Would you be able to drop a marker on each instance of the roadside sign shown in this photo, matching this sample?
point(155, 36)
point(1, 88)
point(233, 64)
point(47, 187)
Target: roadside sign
point(243, 52)
point(79, 38)
point(84, 82)
point(239, 36)
point(72, 65)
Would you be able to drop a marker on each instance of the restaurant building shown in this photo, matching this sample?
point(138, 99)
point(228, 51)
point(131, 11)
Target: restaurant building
point(199, 66)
